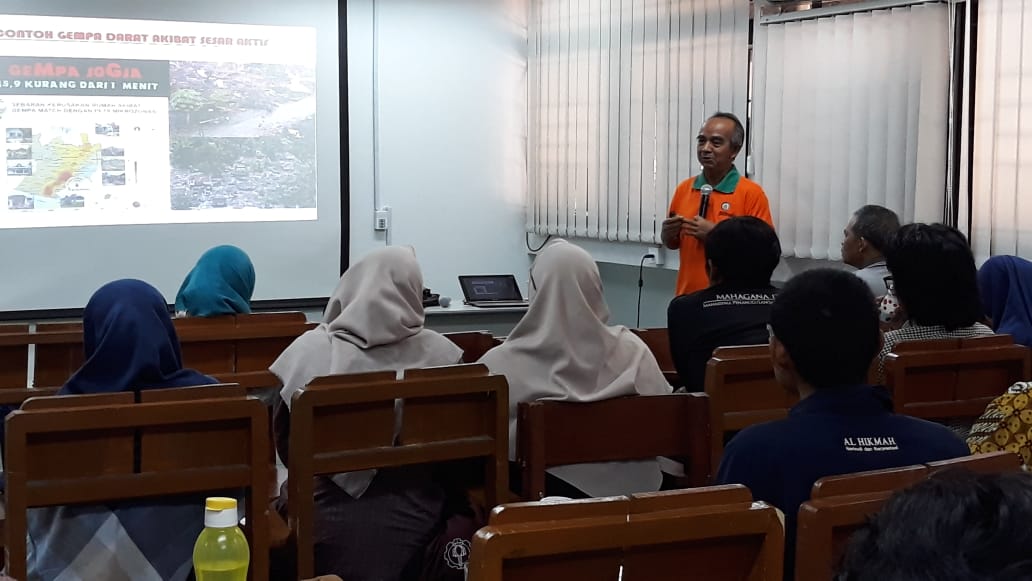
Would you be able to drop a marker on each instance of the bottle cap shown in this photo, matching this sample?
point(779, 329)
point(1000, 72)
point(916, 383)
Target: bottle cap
point(220, 512)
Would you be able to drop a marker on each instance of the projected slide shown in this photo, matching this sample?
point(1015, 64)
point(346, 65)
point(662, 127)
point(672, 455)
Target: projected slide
point(141, 122)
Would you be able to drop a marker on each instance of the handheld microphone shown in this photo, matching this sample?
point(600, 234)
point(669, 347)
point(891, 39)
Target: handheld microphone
point(704, 201)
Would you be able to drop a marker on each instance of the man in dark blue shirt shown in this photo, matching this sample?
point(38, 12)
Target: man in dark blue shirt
point(823, 336)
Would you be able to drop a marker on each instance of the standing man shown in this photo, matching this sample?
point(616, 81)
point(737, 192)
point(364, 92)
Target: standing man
point(719, 142)
point(864, 242)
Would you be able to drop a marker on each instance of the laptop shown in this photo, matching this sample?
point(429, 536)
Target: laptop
point(492, 291)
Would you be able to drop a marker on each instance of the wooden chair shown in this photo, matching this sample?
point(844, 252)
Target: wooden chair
point(992, 463)
point(449, 371)
point(655, 537)
point(887, 480)
point(262, 337)
point(14, 357)
point(658, 341)
point(86, 455)
point(624, 428)
point(473, 344)
point(954, 378)
point(824, 528)
point(58, 353)
point(204, 345)
point(339, 425)
point(742, 389)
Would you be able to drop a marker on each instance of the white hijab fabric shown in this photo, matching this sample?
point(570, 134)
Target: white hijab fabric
point(373, 322)
point(563, 350)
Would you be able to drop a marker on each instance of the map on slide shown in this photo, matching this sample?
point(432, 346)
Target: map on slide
point(60, 158)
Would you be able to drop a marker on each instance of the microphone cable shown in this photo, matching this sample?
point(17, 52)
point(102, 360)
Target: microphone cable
point(641, 284)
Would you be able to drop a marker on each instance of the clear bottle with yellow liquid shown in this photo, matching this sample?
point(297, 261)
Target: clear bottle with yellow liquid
point(221, 552)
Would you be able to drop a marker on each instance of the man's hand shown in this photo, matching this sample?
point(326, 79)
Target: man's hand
point(698, 227)
point(671, 233)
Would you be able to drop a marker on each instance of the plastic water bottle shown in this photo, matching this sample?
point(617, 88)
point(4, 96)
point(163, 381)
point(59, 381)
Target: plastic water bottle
point(221, 552)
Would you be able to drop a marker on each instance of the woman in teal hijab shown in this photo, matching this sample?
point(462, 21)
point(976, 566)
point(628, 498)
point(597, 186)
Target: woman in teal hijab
point(221, 283)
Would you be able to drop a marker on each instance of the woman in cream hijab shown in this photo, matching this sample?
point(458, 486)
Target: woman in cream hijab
point(563, 350)
point(369, 524)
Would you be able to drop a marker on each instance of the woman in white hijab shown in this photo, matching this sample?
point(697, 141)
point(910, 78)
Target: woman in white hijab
point(370, 524)
point(563, 350)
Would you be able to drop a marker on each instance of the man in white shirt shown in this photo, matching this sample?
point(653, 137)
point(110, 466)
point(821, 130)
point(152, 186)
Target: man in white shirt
point(866, 237)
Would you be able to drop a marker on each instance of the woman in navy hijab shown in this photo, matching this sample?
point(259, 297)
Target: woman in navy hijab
point(221, 283)
point(1005, 283)
point(130, 345)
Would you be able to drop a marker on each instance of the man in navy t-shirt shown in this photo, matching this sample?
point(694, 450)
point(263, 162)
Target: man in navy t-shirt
point(823, 336)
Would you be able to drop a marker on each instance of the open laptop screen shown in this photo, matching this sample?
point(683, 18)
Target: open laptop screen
point(500, 287)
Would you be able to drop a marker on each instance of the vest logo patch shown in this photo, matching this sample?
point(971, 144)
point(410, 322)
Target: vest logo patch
point(871, 444)
point(725, 206)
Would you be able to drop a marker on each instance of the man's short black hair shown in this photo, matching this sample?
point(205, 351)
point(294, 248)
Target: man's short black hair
point(828, 322)
point(744, 251)
point(738, 136)
point(934, 275)
point(876, 225)
point(954, 526)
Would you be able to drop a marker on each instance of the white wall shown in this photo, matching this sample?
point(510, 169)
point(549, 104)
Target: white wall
point(452, 143)
point(452, 127)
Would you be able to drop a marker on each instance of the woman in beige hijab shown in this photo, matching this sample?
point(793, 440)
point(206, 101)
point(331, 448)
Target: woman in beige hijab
point(370, 524)
point(563, 350)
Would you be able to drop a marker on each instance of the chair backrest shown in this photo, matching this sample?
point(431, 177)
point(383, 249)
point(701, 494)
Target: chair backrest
point(954, 378)
point(262, 337)
point(250, 380)
point(823, 531)
point(658, 341)
point(449, 371)
point(743, 391)
point(351, 426)
point(215, 391)
point(207, 343)
point(14, 356)
point(97, 454)
point(991, 463)
point(54, 402)
point(588, 540)
point(890, 479)
point(554, 433)
point(16, 397)
point(473, 344)
point(58, 353)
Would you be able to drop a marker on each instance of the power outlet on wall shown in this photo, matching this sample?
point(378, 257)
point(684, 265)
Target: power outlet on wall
point(382, 219)
point(657, 252)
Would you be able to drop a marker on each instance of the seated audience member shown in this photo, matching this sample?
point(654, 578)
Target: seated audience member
point(1006, 286)
point(130, 345)
point(741, 255)
point(933, 272)
point(863, 247)
point(824, 335)
point(369, 524)
point(562, 349)
point(221, 283)
point(954, 526)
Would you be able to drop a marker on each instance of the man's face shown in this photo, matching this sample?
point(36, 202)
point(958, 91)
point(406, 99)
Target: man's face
point(851, 245)
point(714, 146)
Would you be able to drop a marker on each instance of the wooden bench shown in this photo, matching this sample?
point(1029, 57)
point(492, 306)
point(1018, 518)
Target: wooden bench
point(618, 429)
point(954, 378)
point(715, 534)
point(88, 455)
point(658, 341)
point(344, 424)
point(743, 391)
